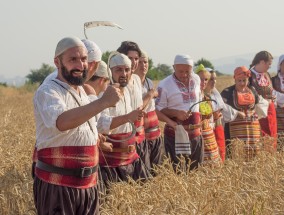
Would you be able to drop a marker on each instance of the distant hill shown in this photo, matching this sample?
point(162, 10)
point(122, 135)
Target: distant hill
point(227, 65)
point(16, 81)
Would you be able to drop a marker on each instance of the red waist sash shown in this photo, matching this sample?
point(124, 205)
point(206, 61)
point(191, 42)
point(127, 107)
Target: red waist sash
point(119, 157)
point(140, 132)
point(69, 157)
point(192, 125)
point(151, 126)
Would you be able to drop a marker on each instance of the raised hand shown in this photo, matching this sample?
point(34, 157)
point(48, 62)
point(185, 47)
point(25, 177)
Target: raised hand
point(112, 95)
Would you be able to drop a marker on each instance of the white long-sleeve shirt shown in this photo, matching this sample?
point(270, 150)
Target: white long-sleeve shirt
point(135, 89)
point(121, 108)
point(148, 85)
point(50, 101)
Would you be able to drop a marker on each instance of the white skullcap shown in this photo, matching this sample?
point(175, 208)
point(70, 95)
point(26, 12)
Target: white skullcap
point(208, 69)
point(119, 59)
point(183, 59)
point(67, 43)
point(281, 59)
point(102, 70)
point(94, 52)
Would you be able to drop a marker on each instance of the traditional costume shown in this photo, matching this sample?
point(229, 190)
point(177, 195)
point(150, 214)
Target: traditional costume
point(219, 107)
point(278, 85)
point(123, 161)
point(154, 142)
point(263, 86)
point(173, 94)
point(66, 162)
point(135, 89)
point(247, 129)
point(211, 148)
point(66, 159)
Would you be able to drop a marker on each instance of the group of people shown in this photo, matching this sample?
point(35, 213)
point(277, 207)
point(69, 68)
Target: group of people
point(98, 123)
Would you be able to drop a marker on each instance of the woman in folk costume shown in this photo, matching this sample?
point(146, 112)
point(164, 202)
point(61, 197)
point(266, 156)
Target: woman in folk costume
point(154, 142)
point(243, 98)
point(211, 149)
point(218, 108)
point(261, 81)
point(278, 85)
point(121, 160)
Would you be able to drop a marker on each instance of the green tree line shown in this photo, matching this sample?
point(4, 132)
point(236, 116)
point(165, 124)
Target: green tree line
point(158, 72)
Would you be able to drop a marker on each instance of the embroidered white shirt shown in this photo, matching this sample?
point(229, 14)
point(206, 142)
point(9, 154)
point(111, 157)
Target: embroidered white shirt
point(171, 96)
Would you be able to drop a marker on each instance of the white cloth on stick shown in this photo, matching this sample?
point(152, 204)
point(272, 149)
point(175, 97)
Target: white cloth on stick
point(182, 142)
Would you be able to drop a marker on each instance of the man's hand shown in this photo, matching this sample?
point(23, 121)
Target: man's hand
point(172, 124)
point(111, 96)
point(182, 115)
point(217, 114)
point(102, 138)
point(135, 115)
point(154, 93)
point(105, 146)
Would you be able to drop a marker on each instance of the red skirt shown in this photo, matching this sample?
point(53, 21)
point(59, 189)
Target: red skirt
point(268, 125)
point(220, 138)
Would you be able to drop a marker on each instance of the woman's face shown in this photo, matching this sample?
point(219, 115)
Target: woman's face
point(265, 65)
point(241, 83)
point(204, 78)
point(212, 81)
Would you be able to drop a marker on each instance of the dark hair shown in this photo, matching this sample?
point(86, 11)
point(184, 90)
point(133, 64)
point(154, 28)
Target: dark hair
point(94, 78)
point(263, 55)
point(127, 46)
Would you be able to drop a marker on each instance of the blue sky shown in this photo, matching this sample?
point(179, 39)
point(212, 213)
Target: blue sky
point(30, 29)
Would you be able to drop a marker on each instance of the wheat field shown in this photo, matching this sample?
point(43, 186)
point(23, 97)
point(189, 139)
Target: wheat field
point(237, 187)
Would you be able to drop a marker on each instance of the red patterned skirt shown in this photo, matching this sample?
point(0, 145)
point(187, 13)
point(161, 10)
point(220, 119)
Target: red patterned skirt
point(280, 120)
point(249, 132)
point(211, 149)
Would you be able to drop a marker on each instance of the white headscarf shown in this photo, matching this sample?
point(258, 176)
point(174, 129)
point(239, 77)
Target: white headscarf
point(102, 70)
point(94, 52)
point(281, 59)
point(119, 59)
point(67, 43)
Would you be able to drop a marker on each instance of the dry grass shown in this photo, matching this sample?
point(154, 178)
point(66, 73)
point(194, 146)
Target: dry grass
point(17, 138)
point(238, 187)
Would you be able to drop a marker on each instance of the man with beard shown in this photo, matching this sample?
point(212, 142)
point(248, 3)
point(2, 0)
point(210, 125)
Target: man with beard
point(122, 161)
point(132, 50)
point(66, 136)
point(94, 58)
